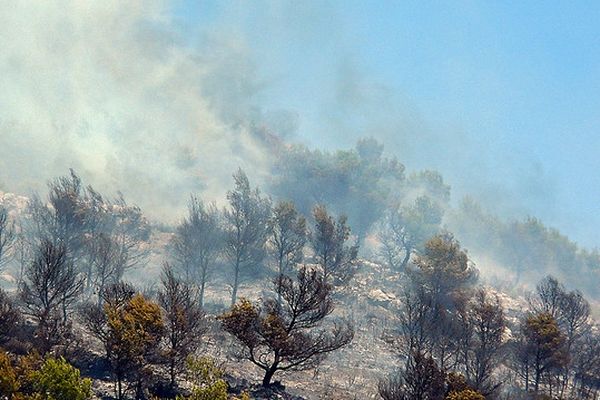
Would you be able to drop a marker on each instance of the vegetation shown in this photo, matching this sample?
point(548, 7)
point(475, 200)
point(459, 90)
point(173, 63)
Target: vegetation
point(358, 183)
point(51, 287)
point(197, 242)
point(30, 377)
point(527, 248)
point(288, 337)
point(452, 334)
point(405, 229)
point(7, 236)
point(329, 238)
point(184, 321)
point(287, 237)
point(207, 379)
point(57, 379)
point(246, 227)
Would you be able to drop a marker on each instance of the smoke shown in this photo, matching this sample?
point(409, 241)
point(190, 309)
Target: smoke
point(135, 101)
point(112, 89)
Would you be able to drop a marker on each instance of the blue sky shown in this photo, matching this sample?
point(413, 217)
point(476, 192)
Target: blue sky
point(502, 97)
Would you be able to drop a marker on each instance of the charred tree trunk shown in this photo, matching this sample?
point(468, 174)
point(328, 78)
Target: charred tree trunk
point(234, 289)
point(268, 376)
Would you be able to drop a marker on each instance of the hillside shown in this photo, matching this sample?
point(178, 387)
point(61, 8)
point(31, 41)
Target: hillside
point(369, 304)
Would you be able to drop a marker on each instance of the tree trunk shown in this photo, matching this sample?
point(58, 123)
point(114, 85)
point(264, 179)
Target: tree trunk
point(172, 372)
point(202, 285)
point(64, 310)
point(235, 284)
point(407, 251)
point(268, 376)
point(279, 282)
point(139, 390)
point(119, 388)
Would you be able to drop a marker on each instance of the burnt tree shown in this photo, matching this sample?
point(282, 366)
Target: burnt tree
point(333, 253)
point(51, 287)
point(291, 337)
point(184, 321)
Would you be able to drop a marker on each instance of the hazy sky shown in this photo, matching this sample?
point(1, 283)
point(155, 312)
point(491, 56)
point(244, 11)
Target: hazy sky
point(502, 97)
point(152, 96)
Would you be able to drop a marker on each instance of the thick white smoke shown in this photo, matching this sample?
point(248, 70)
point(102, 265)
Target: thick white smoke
point(108, 88)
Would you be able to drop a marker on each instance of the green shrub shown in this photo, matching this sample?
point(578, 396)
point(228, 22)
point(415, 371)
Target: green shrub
point(59, 380)
point(206, 377)
point(466, 394)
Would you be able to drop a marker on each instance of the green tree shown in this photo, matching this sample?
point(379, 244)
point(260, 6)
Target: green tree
point(357, 182)
point(445, 271)
point(130, 327)
point(30, 377)
point(540, 350)
point(135, 331)
point(445, 276)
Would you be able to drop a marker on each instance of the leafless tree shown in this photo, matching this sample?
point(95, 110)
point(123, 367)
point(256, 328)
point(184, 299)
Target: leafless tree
point(586, 366)
point(185, 322)
point(487, 325)
point(9, 316)
point(391, 387)
point(105, 261)
point(23, 251)
point(7, 237)
point(63, 219)
point(72, 215)
point(572, 313)
point(549, 297)
point(130, 230)
point(51, 287)
point(574, 319)
point(421, 379)
point(197, 243)
point(121, 223)
point(416, 321)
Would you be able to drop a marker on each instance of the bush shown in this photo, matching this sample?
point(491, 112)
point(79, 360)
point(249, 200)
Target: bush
point(59, 380)
point(466, 394)
point(9, 382)
point(206, 377)
point(28, 378)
